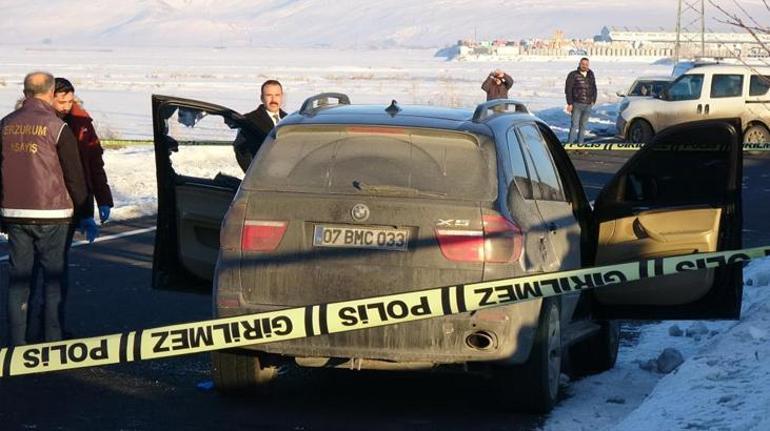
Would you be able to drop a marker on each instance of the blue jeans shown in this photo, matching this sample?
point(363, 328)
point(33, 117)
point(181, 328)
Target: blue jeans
point(47, 244)
point(580, 114)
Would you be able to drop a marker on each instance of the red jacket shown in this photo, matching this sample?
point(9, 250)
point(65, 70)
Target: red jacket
point(90, 155)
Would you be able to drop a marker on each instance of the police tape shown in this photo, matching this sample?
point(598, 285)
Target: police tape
point(627, 146)
point(590, 146)
point(330, 318)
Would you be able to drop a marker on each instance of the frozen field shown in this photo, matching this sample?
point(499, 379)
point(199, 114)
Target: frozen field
point(116, 83)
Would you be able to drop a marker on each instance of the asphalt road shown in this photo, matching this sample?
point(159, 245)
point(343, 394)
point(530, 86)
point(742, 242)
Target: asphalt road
point(111, 293)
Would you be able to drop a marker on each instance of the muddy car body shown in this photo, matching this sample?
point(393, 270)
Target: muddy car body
point(351, 201)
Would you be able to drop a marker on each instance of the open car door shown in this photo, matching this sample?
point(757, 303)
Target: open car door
point(680, 194)
point(197, 176)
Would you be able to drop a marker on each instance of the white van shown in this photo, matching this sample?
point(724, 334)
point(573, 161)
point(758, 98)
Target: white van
point(706, 92)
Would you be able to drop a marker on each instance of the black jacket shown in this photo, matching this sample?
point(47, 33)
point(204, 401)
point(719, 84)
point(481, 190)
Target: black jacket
point(248, 141)
point(579, 89)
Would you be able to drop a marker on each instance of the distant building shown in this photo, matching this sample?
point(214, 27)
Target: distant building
point(620, 42)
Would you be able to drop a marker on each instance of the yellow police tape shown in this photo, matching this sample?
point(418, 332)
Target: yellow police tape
point(603, 146)
point(626, 146)
point(311, 320)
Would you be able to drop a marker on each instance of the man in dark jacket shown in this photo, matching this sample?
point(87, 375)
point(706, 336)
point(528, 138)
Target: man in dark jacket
point(580, 90)
point(497, 85)
point(43, 192)
point(262, 120)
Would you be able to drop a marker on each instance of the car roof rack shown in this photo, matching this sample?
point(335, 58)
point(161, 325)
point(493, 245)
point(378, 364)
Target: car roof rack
point(323, 100)
point(498, 106)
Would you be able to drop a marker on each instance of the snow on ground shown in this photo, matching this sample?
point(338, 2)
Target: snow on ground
point(724, 383)
point(116, 83)
point(131, 173)
point(339, 23)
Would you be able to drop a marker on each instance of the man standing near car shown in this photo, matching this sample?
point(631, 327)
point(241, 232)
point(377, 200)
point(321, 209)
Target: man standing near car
point(497, 85)
point(580, 90)
point(263, 119)
point(43, 192)
point(90, 150)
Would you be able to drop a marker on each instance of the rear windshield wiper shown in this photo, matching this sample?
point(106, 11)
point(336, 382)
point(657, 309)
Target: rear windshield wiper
point(385, 189)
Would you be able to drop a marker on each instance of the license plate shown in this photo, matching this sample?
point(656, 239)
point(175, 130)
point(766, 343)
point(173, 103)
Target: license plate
point(360, 237)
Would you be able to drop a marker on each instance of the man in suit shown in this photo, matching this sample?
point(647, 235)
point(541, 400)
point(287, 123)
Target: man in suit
point(263, 119)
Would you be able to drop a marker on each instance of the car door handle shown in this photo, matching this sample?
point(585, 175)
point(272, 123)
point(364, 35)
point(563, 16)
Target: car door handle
point(706, 110)
point(700, 108)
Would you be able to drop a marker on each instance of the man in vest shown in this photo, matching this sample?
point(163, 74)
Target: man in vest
point(263, 119)
point(580, 90)
point(43, 193)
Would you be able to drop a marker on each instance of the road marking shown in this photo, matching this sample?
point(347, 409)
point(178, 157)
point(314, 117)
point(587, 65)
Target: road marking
point(103, 238)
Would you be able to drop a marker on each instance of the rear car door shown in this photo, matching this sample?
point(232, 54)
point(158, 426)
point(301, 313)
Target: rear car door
point(680, 194)
point(727, 96)
point(684, 101)
point(198, 176)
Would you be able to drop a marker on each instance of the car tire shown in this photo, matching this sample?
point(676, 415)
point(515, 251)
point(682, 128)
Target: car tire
point(640, 132)
point(598, 353)
point(235, 371)
point(535, 384)
point(756, 134)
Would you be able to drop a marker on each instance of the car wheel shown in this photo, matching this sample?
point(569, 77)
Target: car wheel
point(535, 383)
point(756, 134)
point(597, 353)
point(238, 370)
point(640, 132)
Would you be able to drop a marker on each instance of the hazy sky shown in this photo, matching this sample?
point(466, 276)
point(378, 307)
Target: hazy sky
point(342, 23)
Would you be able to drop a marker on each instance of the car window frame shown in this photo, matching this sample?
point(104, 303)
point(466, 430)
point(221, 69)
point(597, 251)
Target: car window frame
point(759, 77)
point(513, 131)
point(682, 78)
point(537, 192)
point(716, 76)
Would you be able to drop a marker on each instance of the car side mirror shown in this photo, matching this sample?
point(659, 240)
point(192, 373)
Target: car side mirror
point(663, 94)
point(620, 94)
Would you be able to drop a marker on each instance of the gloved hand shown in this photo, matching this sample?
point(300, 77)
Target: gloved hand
point(104, 213)
point(89, 228)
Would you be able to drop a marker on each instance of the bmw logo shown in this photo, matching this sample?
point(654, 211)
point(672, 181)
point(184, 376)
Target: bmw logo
point(360, 212)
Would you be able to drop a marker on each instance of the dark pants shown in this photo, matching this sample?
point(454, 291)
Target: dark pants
point(45, 243)
point(35, 313)
point(580, 114)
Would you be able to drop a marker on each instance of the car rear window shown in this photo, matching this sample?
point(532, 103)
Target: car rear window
point(390, 160)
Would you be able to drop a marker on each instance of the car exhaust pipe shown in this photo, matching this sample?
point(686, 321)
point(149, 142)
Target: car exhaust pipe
point(481, 340)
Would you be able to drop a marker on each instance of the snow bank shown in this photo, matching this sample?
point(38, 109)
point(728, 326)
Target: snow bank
point(724, 382)
point(131, 174)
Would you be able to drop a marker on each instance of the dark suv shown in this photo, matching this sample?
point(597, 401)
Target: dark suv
point(350, 201)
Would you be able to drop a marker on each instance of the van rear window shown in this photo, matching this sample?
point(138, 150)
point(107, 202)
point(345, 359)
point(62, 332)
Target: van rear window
point(759, 85)
point(375, 160)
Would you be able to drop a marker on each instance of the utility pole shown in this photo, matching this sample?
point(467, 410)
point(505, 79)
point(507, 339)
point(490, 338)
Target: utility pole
point(690, 15)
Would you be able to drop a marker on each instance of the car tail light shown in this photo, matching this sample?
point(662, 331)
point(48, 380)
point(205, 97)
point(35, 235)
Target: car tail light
point(261, 235)
point(461, 245)
point(230, 231)
point(503, 240)
point(499, 241)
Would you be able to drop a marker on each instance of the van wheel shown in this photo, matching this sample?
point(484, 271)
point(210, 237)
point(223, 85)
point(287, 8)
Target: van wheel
point(756, 134)
point(237, 371)
point(597, 353)
point(535, 383)
point(640, 132)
